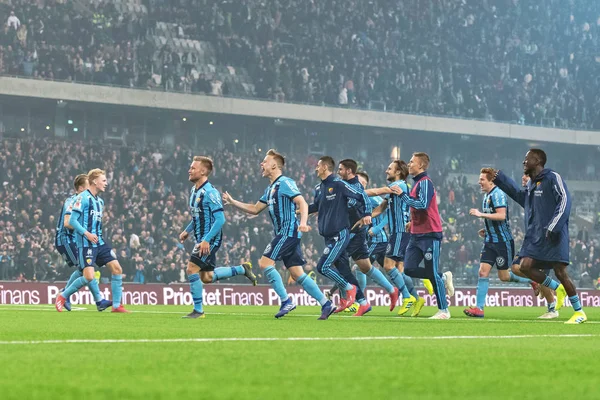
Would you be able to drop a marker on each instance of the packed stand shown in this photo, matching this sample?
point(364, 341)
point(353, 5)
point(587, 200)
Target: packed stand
point(146, 209)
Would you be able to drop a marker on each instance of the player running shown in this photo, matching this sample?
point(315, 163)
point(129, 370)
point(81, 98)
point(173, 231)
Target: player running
point(547, 204)
point(499, 246)
point(86, 220)
point(64, 242)
point(206, 209)
point(283, 199)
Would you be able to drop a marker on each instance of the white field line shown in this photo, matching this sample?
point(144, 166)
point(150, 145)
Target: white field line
point(392, 317)
point(291, 339)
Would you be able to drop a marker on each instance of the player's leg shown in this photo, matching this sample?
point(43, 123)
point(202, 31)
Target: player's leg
point(431, 250)
point(307, 283)
point(116, 285)
point(393, 250)
point(68, 252)
point(531, 269)
point(543, 291)
point(221, 273)
point(196, 289)
point(483, 284)
point(560, 270)
point(334, 248)
point(505, 253)
point(266, 263)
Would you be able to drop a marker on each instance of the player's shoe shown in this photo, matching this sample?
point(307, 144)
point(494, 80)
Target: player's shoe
point(473, 312)
point(326, 310)
point(194, 315)
point(249, 274)
point(60, 303)
point(103, 304)
point(441, 315)
point(352, 308)
point(362, 310)
point(449, 283)
point(67, 305)
point(286, 307)
point(351, 296)
point(549, 315)
point(407, 303)
point(418, 307)
point(537, 288)
point(120, 309)
point(578, 318)
point(394, 298)
point(428, 286)
point(561, 294)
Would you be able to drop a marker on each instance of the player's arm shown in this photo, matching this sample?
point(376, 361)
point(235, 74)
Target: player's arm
point(380, 191)
point(302, 205)
point(248, 208)
point(67, 216)
point(375, 230)
point(314, 206)
point(509, 186)
point(361, 203)
point(215, 205)
point(380, 209)
point(563, 205)
point(74, 221)
point(424, 195)
point(499, 215)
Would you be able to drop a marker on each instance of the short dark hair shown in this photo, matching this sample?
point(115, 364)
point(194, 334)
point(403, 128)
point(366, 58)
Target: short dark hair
point(279, 159)
point(364, 175)
point(206, 162)
point(80, 180)
point(540, 154)
point(401, 167)
point(327, 160)
point(350, 164)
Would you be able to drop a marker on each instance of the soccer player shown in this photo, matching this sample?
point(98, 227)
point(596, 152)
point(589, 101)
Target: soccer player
point(86, 220)
point(206, 209)
point(357, 247)
point(64, 242)
point(426, 233)
point(283, 199)
point(398, 217)
point(331, 200)
point(547, 204)
point(499, 246)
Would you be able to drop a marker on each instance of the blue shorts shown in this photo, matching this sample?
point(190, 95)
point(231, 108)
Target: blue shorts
point(287, 249)
point(101, 255)
point(69, 253)
point(397, 245)
point(357, 248)
point(498, 254)
point(377, 252)
point(208, 261)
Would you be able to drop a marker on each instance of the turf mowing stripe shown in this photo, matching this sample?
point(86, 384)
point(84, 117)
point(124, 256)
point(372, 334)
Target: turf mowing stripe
point(291, 339)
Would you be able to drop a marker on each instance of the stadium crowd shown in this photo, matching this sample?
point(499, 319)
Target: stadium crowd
point(146, 209)
point(525, 61)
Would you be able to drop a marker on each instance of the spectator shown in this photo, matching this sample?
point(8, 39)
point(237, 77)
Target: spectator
point(13, 21)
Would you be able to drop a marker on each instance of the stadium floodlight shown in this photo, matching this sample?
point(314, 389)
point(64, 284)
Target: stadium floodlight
point(47, 127)
point(210, 123)
point(22, 129)
point(70, 122)
point(236, 141)
point(184, 119)
point(75, 129)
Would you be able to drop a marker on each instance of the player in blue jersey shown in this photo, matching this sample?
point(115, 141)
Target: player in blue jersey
point(398, 216)
point(357, 247)
point(208, 219)
point(499, 246)
point(283, 199)
point(64, 242)
point(86, 221)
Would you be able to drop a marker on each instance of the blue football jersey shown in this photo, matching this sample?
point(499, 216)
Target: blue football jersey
point(88, 209)
point(496, 231)
point(204, 203)
point(279, 198)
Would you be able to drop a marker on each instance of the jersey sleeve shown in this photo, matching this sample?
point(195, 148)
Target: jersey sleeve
point(265, 197)
point(289, 188)
point(214, 202)
point(563, 203)
point(79, 204)
point(499, 199)
point(69, 205)
point(314, 206)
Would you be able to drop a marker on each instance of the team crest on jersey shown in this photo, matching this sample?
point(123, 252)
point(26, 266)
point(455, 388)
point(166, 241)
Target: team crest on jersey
point(428, 255)
point(198, 200)
point(268, 249)
point(326, 251)
point(500, 261)
point(330, 190)
point(389, 248)
point(89, 252)
point(88, 261)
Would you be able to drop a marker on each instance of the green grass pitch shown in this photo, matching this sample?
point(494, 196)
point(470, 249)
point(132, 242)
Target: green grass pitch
point(154, 354)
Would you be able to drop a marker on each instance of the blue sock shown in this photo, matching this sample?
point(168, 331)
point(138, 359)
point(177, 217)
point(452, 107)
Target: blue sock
point(362, 279)
point(517, 278)
point(551, 283)
point(76, 274)
point(362, 301)
point(483, 284)
point(95, 289)
point(398, 280)
point(575, 303)
point(312, 289)
point(196, 289)
point(75, 286)
point(276, 283)
point(116, 285)
point(410, 286)
point(227, 272)
point(342, 292)
point(552, 306)
point(377, 277)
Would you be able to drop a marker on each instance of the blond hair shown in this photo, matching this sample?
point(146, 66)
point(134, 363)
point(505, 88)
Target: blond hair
point(489, 173)
point(94, 174)
point(80, 181)
point(206, 162)
point(279, 159)
point(424, 158)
